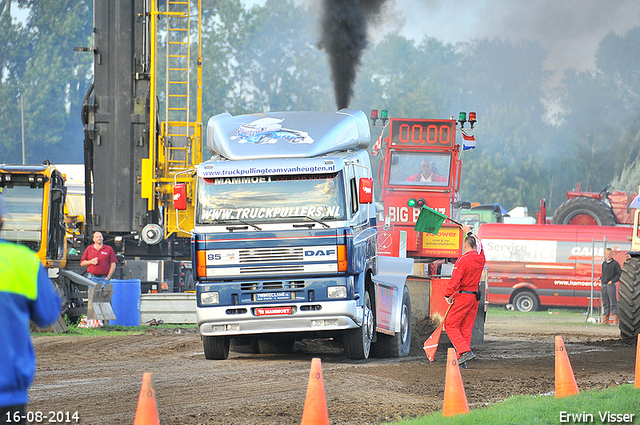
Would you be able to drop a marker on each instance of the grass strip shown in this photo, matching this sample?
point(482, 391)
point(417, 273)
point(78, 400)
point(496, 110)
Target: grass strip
point(592, 406)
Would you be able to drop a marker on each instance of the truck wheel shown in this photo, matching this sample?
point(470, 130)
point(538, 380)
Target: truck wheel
point(275, 345)
point(526, 301)
point(584, 211)
point(215, 347)
point(629, 299)
point(357, 342)
point(399, 344)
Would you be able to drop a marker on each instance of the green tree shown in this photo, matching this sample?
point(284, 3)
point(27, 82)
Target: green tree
point(409, 81)
point(279, 64)
point(14, 51)
point(504, 84)
point(618, 58)
point(222, 33)
point(53, 80)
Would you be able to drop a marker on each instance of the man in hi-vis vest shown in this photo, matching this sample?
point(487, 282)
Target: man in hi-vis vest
point(26, 294)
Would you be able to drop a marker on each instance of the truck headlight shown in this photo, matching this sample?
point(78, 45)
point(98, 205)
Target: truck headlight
point(209, 298)
point(337, 292)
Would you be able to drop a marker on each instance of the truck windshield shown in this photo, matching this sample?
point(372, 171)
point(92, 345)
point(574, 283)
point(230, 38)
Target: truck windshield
point(262, 199)
point(22, 222)
point(419, 169)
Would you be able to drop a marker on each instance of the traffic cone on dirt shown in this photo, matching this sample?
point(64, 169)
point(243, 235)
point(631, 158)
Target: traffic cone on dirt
point(637, 381)
point(455, 399)
point(315, 405)
point(565, 379)
point(147, 412)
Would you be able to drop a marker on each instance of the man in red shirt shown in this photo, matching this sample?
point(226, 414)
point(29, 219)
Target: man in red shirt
point(99, 259)
point(462, 292)
point(426, 174)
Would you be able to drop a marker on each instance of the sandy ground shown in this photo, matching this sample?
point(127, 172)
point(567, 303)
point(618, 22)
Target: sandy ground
point(100, 377)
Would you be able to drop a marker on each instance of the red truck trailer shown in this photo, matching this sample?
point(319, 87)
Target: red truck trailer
point(536, 265)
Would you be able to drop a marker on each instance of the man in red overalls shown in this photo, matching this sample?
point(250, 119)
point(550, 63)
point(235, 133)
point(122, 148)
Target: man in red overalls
point(461, 292)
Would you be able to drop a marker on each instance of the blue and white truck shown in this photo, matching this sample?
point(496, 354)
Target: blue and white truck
point(284, 240)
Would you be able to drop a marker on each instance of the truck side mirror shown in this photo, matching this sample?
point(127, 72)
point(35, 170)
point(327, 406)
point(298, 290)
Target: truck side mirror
point(365, 194)
point(180, 196)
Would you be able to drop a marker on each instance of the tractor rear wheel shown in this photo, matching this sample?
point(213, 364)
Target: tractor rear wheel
point(584, 211)
point(629, 299)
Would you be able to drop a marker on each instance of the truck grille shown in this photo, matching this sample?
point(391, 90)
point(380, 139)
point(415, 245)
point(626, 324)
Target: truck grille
point(271, 269)
point(270, 286)
point(261, 255)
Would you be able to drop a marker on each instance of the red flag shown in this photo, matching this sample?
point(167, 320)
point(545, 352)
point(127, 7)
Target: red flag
point(468, 138)
point(431, 344)
point(377, 145)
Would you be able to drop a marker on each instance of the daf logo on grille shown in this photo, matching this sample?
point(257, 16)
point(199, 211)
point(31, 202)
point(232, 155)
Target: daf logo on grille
point(319, 253)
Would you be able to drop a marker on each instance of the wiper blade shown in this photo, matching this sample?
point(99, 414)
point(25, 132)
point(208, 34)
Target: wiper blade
point(312, 219)
point(250, 224)
point(232, 228)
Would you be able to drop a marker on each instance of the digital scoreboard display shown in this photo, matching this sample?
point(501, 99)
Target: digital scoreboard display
point(425, 133)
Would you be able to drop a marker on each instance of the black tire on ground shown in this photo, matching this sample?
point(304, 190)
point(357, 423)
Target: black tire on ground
point(629, 299)
point(526, 301)
point(397, 345)
point(585, 211)
point(215, 347)
point(357, 342)
point(275, 345)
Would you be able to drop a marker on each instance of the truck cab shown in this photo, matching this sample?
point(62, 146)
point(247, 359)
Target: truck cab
point(284, 243)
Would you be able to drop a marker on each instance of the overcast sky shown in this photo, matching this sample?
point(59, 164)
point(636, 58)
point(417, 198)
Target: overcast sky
point(569, 30)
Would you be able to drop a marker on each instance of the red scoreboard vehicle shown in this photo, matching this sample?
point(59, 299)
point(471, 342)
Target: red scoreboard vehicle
point(420, 166)
point(531, 265)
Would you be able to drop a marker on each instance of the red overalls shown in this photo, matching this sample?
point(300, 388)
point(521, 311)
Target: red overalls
point(466, 277)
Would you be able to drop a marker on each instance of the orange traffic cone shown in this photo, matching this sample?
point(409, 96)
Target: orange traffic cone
point(315, 405)
point(637, 382)
point(455, 399)
point(565, 380)
point(147, 412)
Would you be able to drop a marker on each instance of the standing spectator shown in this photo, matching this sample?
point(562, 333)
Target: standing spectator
point(611, 273)
point(99, 259)
point(463, 293)
point(26, 293)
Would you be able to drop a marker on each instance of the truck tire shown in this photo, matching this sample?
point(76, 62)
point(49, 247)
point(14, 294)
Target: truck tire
point(357, 342)
point(526, 301)
point(397, 345)
point(629, 299)
point(215, 347)
point(275, 345)
point(584, 211)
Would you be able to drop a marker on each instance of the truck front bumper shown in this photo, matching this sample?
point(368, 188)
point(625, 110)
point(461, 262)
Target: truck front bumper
point(308, 317)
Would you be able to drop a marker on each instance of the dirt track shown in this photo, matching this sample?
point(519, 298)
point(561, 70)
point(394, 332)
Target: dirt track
point(100, 377)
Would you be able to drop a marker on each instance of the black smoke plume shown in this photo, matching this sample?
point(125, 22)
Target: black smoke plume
point(344, 38)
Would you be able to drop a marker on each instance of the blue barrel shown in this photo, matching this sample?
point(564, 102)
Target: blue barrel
point(126, 302)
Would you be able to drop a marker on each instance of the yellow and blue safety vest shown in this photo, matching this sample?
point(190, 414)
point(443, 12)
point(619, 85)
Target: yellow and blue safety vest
point(26, 294)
